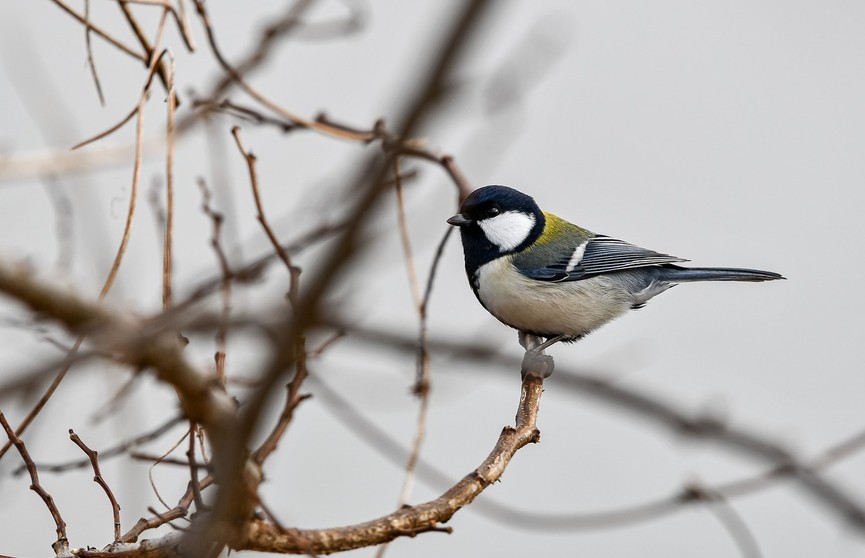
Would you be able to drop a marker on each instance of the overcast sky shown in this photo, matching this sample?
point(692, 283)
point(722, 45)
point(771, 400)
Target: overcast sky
point(728, 132)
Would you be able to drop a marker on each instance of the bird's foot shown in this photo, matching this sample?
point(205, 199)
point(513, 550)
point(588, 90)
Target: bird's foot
point(536, 362)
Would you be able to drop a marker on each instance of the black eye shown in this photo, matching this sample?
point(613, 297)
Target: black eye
point(493, 211)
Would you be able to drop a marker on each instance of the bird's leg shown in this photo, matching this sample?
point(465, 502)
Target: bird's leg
point(549, 343)
point(535, 361)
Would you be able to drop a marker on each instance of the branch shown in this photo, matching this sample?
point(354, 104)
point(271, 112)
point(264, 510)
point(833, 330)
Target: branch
point(119, 449)
point(201, 397)
point(663, 413)
point(424, 517)
point(61, 545)
point(93, 457)
point(149, 49)
point(91, 27)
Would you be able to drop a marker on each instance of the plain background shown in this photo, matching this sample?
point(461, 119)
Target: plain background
point(728, 132)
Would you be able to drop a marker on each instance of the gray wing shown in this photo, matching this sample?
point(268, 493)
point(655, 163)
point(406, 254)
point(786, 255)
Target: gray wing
point(597, 255)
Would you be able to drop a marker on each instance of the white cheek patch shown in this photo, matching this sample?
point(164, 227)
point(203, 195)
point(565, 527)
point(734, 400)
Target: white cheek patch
point(508, 230)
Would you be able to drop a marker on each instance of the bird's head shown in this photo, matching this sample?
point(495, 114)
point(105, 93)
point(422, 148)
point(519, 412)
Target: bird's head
point(497, 220)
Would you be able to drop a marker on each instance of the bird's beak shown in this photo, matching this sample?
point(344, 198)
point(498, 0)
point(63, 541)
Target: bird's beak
point(459, 220)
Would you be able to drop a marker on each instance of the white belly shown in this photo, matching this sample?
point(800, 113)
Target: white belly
point(571, 308)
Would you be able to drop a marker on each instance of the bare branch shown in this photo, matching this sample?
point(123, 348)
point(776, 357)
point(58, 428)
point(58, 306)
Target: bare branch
point(180, 18)
point(201, 398)
point(418, 518)
point(224, 284)
point(113, 451)
point(235, 74)
point(61, 546)
point(89, 25)
point(168, 243)
point(93, 457)
point(90, 62)
point(149, 49)
point(732, 522)
point(293, 272)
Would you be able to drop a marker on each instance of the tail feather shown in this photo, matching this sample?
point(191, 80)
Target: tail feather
point(676, 274)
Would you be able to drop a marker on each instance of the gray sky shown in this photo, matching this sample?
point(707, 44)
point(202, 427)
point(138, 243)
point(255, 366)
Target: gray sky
point(730, 133)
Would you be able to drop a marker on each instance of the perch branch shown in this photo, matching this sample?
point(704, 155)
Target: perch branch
point(423, 517)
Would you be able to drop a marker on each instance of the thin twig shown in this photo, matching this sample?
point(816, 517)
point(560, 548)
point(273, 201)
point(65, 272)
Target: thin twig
point(90, 63)
point(107, 132)
point(62, 543)
point(423, 343)
point(113, 451)
point(391, 143)
point(424, 376)
point(293, 272)
point(133, 198)
point(193, 468)
point(177, 462)
point(112, 404)
point(149, 50)
point(100, 32)
point(234, 74)
point(93, 457)
point(158, 461)
point(293, 396)
point(168, 242)
point(118, 258)
point(151, 72)
point(43, 400)
point(731, 520)
point(136, 178)
point(422, 383)
point(414, 284)
point(180, 18)
point(178, 512)
point(183, 22)
point(227, 275)
point(158, 520)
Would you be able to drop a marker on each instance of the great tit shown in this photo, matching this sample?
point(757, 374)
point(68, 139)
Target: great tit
point(547, 277)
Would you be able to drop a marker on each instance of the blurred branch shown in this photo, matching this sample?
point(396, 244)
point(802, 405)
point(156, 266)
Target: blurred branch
point(211, 407)
point(202, 399)
point(662, 413)
point(216, 220)
point(180, 18)
point(168, 241)
point(235, 74)
point(90, 26)
point(293, 396)
point(391, 142)
point(724, 435)
point(112, 274)
point(89, 47)
point(732, 522)
point(113, 451)
point(149, 49)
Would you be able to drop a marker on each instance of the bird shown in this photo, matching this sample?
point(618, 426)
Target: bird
point(550, 278)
